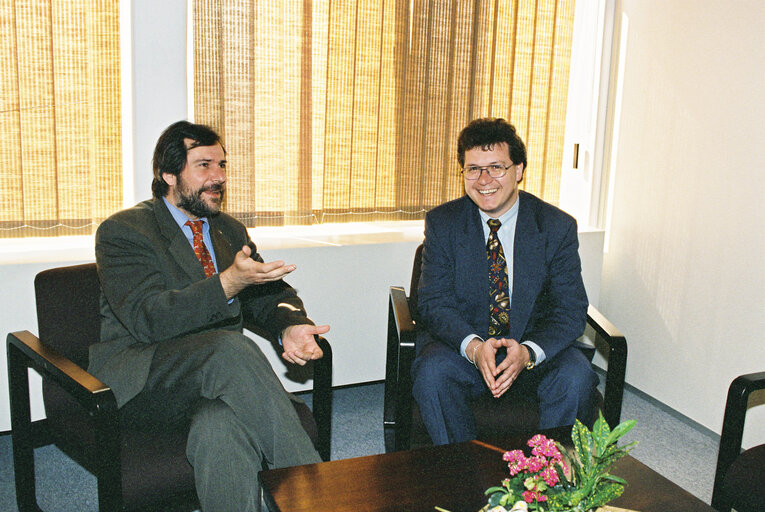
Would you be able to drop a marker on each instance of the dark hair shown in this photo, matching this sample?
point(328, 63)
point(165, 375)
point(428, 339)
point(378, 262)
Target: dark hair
point(171, 150)
point(486, 132)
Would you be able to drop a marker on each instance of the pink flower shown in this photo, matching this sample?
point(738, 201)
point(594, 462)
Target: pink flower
point(534, 464)
point(543, 446)
point(517, 462)
point(513, 455)
point(550, 476)
point(532, 496)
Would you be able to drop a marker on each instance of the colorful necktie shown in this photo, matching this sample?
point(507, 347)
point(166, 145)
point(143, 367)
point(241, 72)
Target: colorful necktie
point(200, 249)
point(499, 302)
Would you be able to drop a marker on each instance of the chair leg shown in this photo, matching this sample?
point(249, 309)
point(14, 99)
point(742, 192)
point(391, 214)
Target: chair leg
point(110, 471)
point(322, 399)
point(21, 432)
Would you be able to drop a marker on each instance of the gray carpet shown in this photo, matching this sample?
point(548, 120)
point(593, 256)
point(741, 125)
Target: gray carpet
point(668, 443)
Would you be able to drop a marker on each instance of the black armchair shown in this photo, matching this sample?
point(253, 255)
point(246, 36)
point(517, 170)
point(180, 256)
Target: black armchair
point(135, 470)
point(511, 414)
point(740, 475)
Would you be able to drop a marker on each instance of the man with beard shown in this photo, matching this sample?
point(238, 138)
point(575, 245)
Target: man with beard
point(177, 278)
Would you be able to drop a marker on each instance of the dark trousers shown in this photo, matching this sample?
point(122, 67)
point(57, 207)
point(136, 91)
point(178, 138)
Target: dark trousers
point(444, 383)
point(221, 387)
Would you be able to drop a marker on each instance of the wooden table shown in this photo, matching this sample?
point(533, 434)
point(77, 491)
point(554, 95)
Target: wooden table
point(453, 477)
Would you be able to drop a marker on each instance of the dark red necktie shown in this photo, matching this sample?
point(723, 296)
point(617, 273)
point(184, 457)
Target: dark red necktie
point(200, 249)
point(499, 301)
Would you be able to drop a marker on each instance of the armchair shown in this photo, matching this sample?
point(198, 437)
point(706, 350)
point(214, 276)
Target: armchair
point(135, 470)
point(511, 414)
point(740, 475)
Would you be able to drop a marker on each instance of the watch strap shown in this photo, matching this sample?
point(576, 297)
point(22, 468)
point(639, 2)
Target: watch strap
point(532, 358)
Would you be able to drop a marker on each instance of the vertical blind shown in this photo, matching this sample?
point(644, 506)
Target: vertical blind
point(336, 111)
point(60, 141)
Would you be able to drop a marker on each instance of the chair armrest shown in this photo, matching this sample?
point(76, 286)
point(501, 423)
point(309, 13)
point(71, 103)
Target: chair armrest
point(24, 351)
point(733, 427)
point(617, 364)
point(29, 352)
point(397, 407)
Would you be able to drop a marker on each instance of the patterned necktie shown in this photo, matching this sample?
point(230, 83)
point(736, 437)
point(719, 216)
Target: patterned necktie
point(499, 302)
point(200, 249)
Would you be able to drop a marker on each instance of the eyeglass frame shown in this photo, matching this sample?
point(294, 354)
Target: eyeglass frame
point(487, 168)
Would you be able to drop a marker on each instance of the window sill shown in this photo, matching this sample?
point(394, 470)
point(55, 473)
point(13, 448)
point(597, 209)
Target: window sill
point(337, 235)
point(47, 249)
point(80, 248)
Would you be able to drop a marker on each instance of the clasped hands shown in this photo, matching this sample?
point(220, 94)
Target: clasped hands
point(498, 377)
point(297, 340)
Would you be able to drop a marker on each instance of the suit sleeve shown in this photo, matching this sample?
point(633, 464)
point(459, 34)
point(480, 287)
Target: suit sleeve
point(148, 293)
point(560, 311)
point(438, 298)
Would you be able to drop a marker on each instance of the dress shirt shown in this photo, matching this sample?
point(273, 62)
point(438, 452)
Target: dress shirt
point(506, 235)
point(181, 218)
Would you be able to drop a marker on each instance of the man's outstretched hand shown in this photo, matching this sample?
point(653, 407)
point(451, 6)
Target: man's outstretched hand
point(299, 343)
point(246, 271)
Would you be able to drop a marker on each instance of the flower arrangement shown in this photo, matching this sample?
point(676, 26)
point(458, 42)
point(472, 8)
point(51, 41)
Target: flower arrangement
point(552, 481)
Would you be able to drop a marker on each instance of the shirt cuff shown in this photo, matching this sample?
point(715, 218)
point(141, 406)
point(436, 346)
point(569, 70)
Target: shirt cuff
point(464, 344)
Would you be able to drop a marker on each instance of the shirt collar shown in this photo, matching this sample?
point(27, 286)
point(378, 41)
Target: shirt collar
point(181, 218)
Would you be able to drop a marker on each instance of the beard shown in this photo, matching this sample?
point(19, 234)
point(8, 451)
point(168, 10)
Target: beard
point(192, 202)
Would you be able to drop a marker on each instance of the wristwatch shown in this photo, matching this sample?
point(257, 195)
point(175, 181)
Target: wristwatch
point(532, 358)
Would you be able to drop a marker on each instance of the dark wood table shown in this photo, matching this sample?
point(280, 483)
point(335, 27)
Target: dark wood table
point(453, 477)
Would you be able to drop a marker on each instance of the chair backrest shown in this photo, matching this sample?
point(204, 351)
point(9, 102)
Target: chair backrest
point(68, 317)
point(416, 268)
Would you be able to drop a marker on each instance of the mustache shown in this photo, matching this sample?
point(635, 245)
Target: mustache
point(215, 187)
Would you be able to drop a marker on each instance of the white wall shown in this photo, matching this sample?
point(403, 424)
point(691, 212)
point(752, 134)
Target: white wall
point(684, 273)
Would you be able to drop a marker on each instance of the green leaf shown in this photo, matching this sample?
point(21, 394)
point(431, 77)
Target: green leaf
point(620, 430)
point(494, 499)
point(562, 478)
point(582, 439)
point(605, 493)
point(614, 478)
point(601, 431)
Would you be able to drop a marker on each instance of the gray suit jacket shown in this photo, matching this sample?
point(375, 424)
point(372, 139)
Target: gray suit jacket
point(549, 303)
point(154, 289)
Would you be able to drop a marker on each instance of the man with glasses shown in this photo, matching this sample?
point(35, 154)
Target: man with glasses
point(177, 277)
point(501, 296)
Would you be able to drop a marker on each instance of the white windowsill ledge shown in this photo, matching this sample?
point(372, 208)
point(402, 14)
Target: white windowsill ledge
point(80, 248)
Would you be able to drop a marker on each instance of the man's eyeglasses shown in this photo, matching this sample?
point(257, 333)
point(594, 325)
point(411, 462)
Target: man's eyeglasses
point(473, 172)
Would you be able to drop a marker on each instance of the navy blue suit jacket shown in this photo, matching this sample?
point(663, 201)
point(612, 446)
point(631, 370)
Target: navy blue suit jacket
point(549, 303)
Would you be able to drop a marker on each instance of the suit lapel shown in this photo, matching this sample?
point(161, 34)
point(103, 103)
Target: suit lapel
point(528, 266)
point(470, 258)
point(177, 244)
point(224, 255)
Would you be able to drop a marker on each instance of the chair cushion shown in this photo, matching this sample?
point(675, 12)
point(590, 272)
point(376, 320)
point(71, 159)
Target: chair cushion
point(743, 483)
point(513, 413)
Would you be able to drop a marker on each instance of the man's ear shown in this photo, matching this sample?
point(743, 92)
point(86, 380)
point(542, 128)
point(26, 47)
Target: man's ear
point(169, 178)
point(519, 172)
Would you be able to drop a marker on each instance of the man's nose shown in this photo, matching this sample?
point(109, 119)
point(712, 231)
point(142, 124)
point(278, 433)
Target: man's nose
point(485, 177)
point(219, 174)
